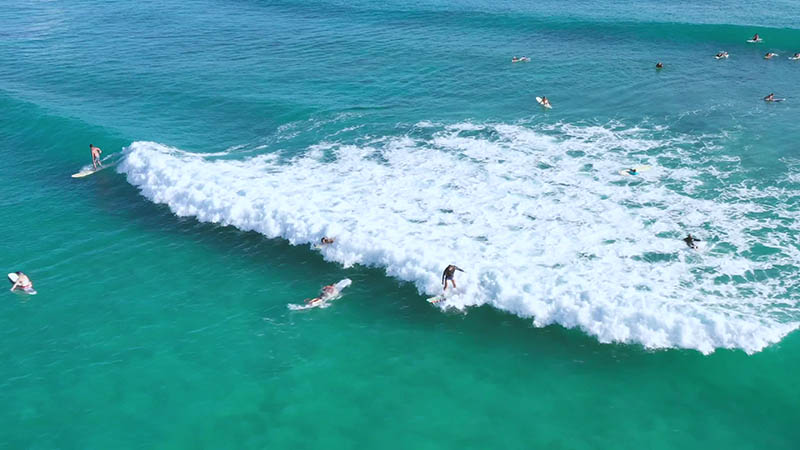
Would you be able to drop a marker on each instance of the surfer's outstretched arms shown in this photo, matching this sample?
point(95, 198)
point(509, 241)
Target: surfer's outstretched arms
point(326, 293)
point(449, 274)
point(691, 241)
point(95, 156)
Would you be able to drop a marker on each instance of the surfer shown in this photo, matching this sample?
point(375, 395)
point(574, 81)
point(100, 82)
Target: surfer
point(796, 56)
point(23, 282)
point(95, 156)
point(546, 102)
point(449, 274)
point(659, 65)
point(632, 171)
point(326, 240)
point(326, 293)
point(691, 241)
point(769, 55)
point(756, 38)
point(770, 98)
point(721, 55)
point(520, 59)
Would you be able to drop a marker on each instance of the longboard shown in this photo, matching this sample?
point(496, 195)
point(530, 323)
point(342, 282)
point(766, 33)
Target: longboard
point(755, 41)
point(539, 101)
point(12, 277)
point(639, 169)
point(323, 302)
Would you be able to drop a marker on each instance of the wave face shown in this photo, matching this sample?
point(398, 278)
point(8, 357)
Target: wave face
point(538, 217)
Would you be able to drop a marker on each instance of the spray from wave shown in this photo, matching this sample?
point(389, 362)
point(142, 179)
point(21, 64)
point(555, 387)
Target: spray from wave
point(540, 219)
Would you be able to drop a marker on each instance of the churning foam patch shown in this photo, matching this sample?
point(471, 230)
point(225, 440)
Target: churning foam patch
point(540, 220)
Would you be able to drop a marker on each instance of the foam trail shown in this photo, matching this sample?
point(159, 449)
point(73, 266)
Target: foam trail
point(539, 219)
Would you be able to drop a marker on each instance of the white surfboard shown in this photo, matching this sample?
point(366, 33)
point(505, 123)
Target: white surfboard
point(13, 277)
point(794, 58)
point(539, 101)
point(725, 56)
point(436, 299)
point(755, 41)
point(639, 169)
point(323, 301)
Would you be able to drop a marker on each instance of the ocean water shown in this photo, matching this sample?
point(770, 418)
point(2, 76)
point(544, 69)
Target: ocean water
point(237, 134)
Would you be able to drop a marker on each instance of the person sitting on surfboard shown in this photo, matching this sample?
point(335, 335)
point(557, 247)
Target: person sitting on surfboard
point(449, 274)
point(95, 156)
point(23, 282)
point(659, 65)
point(691, 241)
point(546, 102)
point(770, 98)
point(756, 38)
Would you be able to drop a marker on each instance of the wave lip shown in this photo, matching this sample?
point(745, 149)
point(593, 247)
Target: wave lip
point(540, 220)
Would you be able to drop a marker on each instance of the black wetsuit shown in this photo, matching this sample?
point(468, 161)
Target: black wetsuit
point(449, 272)
point(691, 241)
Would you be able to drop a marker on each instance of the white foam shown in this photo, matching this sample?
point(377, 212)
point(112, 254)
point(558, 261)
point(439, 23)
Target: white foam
point(540, 220)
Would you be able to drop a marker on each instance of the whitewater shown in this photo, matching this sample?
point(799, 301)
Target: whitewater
point(537, 215)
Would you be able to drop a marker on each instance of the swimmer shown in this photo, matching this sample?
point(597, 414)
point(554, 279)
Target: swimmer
point(95, 156)
point(449, 274)
point(326, 241)
point(326, 293)
point(691, 241)
point(769, 55)
point(659, 65)
point(23, 282)
point(721, 55)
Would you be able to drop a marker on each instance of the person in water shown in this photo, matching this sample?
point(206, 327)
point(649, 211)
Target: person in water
point(756, 37)
point(95, 156)
point(770, 98)
point(796, 56)
point(769, 55)
point(691, 241)
point(659, 65)
point(632, 171)
point(545, 101)
point(449, 275)
point(23, 282)
point(721, 55)
point(326, 293)
point(326, 241)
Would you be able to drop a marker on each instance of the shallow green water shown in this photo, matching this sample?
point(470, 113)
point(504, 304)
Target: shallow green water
point(162, 320)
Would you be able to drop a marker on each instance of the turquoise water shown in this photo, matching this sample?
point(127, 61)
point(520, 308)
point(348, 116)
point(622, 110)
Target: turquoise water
point(243, 132)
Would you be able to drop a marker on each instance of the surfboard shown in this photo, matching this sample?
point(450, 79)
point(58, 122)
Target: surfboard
point(436, 299)
point(755, 41)
point(539, 101)
point(324, 301)
point(721, 57)
point(12, 277)
point(639, 169)
point(794, 58)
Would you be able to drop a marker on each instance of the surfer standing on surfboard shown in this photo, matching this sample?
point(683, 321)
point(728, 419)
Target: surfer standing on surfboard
point(449, 274)
point(23, 282)
point(95, 156)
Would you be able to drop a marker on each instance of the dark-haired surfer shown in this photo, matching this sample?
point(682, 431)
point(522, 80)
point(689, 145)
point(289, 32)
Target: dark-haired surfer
point(95, 156)
point(448, 275)
point(23, 282)
point(691, 241)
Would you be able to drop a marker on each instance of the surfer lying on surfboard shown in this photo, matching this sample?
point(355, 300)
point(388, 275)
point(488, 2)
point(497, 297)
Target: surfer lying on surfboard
point(326, 293)
point(23, 282)
point(769, 55)
point(95, 156)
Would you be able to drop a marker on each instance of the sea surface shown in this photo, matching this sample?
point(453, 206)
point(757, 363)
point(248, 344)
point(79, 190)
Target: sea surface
point(237, 134)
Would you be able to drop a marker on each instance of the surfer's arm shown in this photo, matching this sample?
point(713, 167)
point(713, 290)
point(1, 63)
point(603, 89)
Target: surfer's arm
point(14, 286)
point(459, 269)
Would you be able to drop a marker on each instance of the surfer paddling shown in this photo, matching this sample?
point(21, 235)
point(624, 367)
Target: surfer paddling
point(769, 55)
point(449, 275)
point(95, 156)
point(23, 282)
point(721, 55)
point(691, 241)
point(327, 241)
point(326, 293)
point(659, 65)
